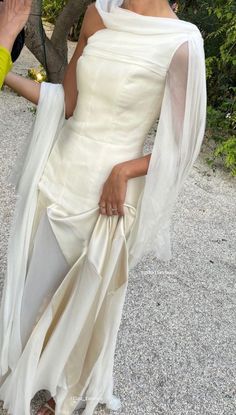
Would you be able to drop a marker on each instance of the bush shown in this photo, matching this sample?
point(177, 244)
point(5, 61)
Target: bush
point(52, 8)
point(217, 21)
point(39, 75)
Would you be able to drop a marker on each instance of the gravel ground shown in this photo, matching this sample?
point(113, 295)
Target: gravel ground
point(176, 346)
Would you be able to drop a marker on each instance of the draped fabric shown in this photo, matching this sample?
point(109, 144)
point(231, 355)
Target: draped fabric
point(176, 146)
point(44, 134)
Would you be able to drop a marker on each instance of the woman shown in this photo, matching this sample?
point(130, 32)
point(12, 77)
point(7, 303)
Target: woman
point(90, 203)
point(13, 16)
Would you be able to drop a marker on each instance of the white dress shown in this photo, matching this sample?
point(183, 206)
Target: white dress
point(63, 338)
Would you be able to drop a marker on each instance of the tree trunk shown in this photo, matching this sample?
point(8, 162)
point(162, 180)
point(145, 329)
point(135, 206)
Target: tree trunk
point(52, 53)
point(68, 16)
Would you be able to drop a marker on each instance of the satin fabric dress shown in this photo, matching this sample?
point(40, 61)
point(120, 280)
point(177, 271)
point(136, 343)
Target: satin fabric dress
point(77, 267)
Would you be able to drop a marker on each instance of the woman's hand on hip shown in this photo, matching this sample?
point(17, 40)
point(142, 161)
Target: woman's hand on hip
point(114, 192)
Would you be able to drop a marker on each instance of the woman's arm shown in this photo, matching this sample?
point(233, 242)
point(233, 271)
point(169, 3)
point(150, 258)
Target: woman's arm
point(27, 88)
point(91, 22)
point(115, 187)
point(133, 168)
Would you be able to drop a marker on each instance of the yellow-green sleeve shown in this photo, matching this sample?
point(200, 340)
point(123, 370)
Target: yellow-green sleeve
point(5, 63)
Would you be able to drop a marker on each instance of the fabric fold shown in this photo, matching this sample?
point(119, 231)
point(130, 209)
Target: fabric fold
point(84, 315)
point(44, 133)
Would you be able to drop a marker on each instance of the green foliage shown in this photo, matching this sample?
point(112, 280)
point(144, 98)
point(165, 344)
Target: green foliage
point(221, 126)
point(39, 75)
point(216, 20)
point(221, 72)
point(227, 150)
point(52, 9)
point(33, 110)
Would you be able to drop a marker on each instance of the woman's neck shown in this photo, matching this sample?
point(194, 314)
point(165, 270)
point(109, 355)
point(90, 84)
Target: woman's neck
point(149, 7)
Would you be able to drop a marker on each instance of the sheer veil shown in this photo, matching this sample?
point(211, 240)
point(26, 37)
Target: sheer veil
point(178, 140)
point(28, 170)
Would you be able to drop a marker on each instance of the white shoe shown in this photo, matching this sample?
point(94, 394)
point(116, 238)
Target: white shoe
point(114, 403)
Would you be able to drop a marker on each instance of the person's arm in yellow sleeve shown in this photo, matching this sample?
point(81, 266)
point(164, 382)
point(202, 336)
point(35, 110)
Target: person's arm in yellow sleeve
point(5, 63)
point(13, 17)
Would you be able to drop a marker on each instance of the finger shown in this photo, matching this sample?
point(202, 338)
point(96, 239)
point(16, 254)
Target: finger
point(121, 209)
point(103, 211)
point(101, 205)
point(109, 209)
point(7, 4)
point(12, 5)
point(102, 208)
point(115, 209)
point(27, 5)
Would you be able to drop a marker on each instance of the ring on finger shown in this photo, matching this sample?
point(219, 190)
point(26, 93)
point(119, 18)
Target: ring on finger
point(115, 210)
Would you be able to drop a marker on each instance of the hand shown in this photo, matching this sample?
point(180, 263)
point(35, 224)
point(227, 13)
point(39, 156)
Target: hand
point(113, 192)
point(13, 17)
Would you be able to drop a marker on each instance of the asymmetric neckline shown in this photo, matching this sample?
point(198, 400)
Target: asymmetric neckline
point(116, 17)
point(145, 16)
point(116, 7)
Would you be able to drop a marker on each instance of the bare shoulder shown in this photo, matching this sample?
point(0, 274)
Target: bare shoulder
point(92, 20)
